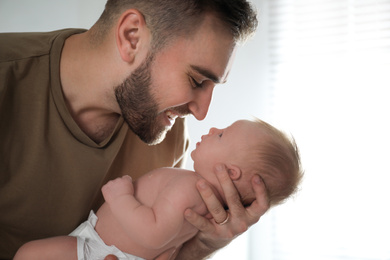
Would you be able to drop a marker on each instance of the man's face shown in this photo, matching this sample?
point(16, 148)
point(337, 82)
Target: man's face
point(176, 81)
point(137, 104)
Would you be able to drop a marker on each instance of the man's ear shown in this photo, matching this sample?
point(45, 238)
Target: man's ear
point(234, 172)
point(130, 30)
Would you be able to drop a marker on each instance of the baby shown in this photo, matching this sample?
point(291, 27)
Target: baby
point(145, 219)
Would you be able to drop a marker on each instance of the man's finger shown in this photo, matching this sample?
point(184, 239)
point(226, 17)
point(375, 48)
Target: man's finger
point(111, 257)
point(231, 194)
point(261, 204)
point(213, 204)
point(198, 221)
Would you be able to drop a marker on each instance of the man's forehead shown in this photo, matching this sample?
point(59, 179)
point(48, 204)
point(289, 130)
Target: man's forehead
point(216, 48)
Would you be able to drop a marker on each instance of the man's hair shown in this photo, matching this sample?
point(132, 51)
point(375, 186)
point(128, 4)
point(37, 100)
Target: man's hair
point(168, 19)
point(276, 159)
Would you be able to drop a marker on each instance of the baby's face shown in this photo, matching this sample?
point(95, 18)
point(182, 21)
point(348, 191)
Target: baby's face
point(223, 146)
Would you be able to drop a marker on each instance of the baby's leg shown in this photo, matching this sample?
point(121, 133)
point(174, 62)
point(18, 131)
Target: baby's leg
point(64, 247)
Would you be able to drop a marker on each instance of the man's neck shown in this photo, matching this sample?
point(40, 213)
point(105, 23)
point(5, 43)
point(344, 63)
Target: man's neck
point(88, 91)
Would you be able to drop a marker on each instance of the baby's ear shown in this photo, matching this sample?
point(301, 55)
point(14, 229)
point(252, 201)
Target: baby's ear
point(234, 172)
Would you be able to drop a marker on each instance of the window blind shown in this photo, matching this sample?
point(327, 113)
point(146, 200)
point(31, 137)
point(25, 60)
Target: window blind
point(329, 71)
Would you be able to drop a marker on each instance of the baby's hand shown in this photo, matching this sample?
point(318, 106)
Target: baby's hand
point(118, 187)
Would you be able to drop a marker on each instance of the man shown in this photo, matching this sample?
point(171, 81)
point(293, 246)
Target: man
point(79, 108)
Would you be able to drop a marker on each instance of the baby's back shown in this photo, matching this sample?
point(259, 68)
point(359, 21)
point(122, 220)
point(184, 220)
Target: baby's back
point(176, 186)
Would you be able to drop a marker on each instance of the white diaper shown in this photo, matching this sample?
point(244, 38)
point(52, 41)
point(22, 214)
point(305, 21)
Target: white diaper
point(91, 247)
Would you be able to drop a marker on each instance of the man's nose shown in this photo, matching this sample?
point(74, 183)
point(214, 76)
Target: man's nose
point(201, 103)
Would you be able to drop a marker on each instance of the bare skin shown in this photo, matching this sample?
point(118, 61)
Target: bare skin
point(89, 73)
point(123, 56)
point(147, 218)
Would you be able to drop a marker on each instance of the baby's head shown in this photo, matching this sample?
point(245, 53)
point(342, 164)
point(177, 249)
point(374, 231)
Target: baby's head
point(274, 156)
point(247, 148)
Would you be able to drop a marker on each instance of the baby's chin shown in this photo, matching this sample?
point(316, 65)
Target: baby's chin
point(193, 156)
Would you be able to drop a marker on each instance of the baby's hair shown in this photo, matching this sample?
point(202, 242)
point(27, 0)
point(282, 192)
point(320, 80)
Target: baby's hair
point(276, 159)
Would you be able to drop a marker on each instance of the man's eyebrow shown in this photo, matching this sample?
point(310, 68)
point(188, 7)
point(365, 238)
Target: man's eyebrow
point(207, 73)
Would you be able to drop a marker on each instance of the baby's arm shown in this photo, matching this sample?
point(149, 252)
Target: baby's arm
point(120, 189)
point(153, 226)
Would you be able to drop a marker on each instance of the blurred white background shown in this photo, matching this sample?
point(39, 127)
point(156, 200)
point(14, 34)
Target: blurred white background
point(318, 69)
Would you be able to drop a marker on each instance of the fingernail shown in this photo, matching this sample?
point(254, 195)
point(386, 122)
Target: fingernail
point(188, 213)
point(257, 179)
point(202, 185)
point(218, 168)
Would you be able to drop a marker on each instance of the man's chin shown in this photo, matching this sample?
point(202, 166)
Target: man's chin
point(157, 138)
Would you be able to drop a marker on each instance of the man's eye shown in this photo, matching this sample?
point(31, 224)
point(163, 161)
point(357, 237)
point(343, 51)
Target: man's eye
point(220, 135)
point(196, 84)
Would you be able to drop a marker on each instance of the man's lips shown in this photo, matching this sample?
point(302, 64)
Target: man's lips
point(172, 113)
point(171, 116)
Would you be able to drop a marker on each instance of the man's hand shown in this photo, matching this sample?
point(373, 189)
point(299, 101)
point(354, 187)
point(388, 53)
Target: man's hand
point(118, 187)
point(233, 222)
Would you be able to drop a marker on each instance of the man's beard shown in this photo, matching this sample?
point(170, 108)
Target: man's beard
point(138, 106)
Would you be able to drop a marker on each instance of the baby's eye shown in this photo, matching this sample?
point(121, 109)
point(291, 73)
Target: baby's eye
point(220, 135)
